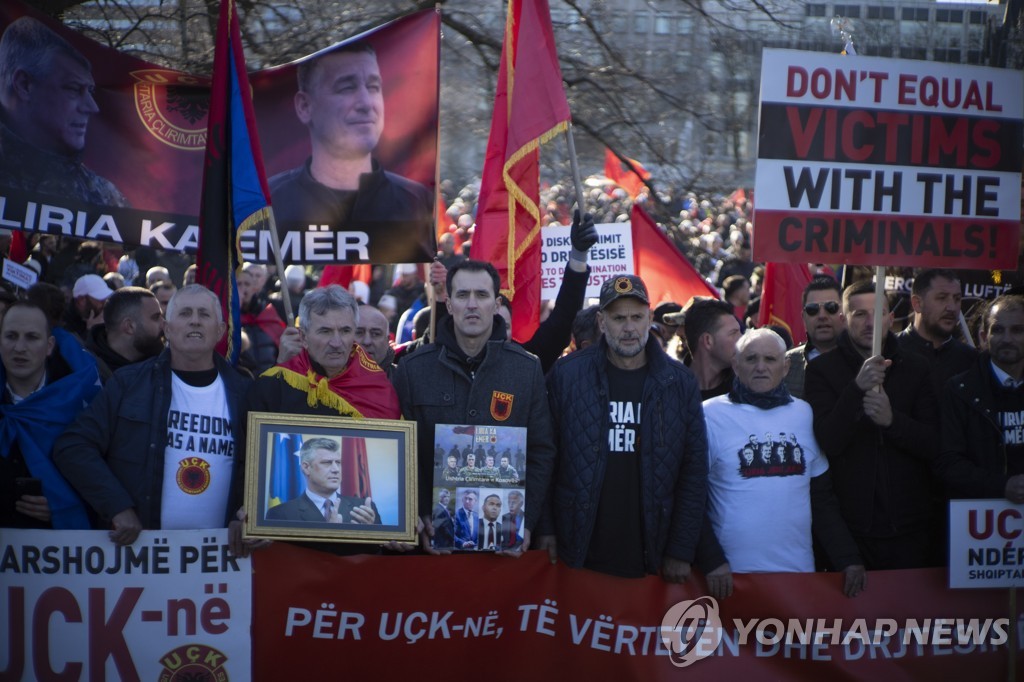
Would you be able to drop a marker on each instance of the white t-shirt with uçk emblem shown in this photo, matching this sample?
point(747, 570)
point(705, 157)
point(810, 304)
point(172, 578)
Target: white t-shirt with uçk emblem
point(198, 458)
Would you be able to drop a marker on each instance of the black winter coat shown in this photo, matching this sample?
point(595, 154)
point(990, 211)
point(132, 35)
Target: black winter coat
point(673, 456)
point(882, 476)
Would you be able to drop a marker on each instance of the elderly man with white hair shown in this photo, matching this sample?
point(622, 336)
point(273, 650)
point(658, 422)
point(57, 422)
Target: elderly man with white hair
point(796, 488)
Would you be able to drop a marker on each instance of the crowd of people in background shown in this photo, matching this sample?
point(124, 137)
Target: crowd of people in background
point(109, 360)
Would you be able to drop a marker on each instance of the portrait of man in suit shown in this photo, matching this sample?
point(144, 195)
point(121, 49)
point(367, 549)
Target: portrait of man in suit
point(444, 523)
point(489, 529)
point(512, 521)
point(465, 521)
point(320, 459)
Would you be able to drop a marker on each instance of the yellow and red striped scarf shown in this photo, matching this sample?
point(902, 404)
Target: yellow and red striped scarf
point(361, 390)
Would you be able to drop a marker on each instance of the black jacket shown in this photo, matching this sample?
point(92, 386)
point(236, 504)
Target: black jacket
point(973, 458)
point(438, 385)
point(396, 212)
point(945, 362)
point(673, 457)
point(555, 333)
point(882, 477)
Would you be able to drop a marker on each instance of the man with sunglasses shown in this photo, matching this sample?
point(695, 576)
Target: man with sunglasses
point(824, 322)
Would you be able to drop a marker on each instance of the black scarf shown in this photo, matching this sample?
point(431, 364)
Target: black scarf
point(777, 397)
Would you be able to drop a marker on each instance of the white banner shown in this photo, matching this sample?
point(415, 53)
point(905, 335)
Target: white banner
point(986, 543)
point(611, 256)
point(174, 605)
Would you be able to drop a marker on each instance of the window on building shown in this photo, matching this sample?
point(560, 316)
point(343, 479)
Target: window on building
point(875, 12)
point(974, 56)
point(877, 50)
point(662, 25)
point(641, 23)
point(815, 10)
point(976, 17)
point(949, 16)
point(848, 11)
point(943, 54)
point(914, 14)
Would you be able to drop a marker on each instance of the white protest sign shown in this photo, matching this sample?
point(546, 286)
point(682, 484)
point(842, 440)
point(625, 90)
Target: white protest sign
point(896, 162)
point(173, 605)
point(986, 543)
point(19, 275)
point(610, 257)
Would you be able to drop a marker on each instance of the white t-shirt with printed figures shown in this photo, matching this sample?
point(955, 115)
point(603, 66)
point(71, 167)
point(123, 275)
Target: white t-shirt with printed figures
point(198, 458)
point(760, 465)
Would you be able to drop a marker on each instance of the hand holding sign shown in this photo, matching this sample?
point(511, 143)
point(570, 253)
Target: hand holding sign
point(872, 373)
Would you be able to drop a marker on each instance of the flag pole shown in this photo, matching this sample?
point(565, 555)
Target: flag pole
point(575, 164)
point(876, 337)
point(966, 331)
point(275, 244)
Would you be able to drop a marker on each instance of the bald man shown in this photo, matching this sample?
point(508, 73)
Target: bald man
point(372, 335)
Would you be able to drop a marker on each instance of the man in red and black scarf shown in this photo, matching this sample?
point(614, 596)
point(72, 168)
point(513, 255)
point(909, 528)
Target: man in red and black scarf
point(332, 375)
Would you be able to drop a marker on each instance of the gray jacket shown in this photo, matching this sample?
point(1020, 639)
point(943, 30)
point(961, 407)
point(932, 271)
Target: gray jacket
point(797, 368)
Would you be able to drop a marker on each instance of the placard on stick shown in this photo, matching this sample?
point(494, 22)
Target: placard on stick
point(888, 162)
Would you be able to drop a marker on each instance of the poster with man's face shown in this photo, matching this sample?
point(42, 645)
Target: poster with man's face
point(95, 144)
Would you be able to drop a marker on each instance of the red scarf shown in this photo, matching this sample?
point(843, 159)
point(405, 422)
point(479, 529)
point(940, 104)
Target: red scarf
point(361, 390)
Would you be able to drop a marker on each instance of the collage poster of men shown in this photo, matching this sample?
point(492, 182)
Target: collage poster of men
point(479, 487)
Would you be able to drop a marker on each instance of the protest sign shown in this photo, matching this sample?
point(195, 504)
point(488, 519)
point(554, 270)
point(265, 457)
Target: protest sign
point(132, 172)
point(77, 606)
point(888, 162)
point(986, 540)
point(611, 256)
point(481, 609)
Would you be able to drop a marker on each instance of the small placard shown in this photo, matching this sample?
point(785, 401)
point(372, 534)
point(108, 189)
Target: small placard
point(986, 543)
point(19, 275)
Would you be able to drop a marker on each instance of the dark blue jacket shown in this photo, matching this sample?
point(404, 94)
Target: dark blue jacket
point(673, 455)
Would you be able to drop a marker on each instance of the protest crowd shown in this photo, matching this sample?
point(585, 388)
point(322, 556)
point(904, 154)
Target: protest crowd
point(108, 361)
point(693, 439)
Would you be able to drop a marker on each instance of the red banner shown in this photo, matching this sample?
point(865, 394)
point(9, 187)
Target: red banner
point(623, 176)
point(130, 171)
point(400, 617)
